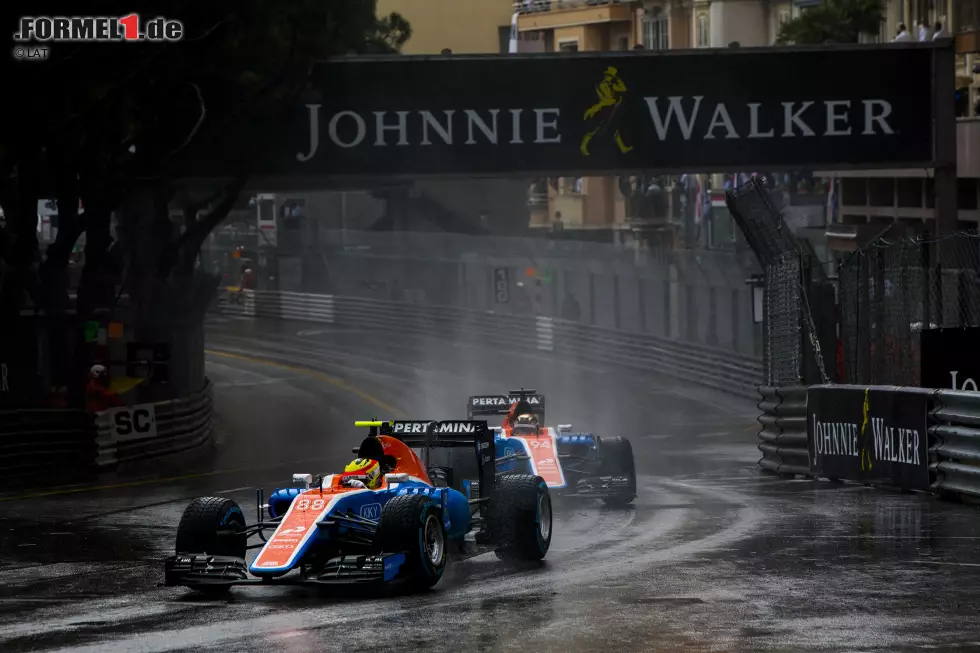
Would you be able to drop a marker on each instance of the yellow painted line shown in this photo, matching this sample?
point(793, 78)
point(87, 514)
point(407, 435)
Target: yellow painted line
point(332, 380)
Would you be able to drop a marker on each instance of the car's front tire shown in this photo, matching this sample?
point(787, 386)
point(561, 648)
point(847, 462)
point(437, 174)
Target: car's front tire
point(412, 523)
point(213, 526)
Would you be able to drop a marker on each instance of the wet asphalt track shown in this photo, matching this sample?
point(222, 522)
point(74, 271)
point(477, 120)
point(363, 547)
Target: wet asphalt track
point(714, 557)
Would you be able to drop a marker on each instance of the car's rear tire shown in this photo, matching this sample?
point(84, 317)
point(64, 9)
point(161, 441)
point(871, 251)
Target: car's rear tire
point(617, 460)
point(412, 523)
point(215, 526)
point(520, 514)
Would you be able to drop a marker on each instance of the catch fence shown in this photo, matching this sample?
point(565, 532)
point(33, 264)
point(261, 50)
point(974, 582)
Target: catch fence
point(890, 291)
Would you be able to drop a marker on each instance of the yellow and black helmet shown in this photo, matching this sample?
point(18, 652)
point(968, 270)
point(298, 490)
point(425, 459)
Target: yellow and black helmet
point(365, 470)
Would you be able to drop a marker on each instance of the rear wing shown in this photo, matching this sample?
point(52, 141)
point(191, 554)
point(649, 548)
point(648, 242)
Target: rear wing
point(482, 405)
point(427, 434)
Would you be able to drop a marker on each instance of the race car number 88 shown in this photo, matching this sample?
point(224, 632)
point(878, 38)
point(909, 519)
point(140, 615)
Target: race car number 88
point(304, 504)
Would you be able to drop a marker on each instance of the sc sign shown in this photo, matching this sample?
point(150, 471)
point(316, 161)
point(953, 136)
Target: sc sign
point(133, 422)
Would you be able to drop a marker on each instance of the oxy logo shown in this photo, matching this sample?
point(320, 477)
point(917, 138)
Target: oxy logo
point(371, 511)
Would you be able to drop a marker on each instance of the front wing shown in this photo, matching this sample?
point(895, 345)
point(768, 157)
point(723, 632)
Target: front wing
point(201, 570)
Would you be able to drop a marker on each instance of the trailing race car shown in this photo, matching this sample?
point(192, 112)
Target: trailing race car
point(572, 464)
point(387, 519)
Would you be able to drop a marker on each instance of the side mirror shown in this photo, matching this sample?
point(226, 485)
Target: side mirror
point(564, 428)
point(305, 479)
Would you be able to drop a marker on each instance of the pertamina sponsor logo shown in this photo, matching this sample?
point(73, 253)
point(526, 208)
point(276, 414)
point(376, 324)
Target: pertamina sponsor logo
point(503, 401)
point(435, 427)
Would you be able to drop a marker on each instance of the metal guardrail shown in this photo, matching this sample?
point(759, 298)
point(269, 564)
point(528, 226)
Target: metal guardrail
point(954, 442)
point(169, 427)
point(717, 368)
point(954, 437)
point(783, 434)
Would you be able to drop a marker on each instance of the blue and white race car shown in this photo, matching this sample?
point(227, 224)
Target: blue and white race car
point(581, 465)
point(398, 528)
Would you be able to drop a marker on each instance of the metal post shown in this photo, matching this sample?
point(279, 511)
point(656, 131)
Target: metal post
point(944, 125)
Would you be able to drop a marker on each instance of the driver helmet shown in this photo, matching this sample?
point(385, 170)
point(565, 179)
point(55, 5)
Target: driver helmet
point(526, 424)
point(363, 472)
point(99, 374)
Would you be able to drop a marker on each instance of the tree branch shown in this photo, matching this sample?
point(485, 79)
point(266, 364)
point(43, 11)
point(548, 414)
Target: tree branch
point(197, 126)
point(182, 252)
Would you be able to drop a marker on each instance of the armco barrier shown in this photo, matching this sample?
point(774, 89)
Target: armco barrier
point(176, 426)
point(54, 443)
point(717, 368)
point(954, 437)
point(783, 434)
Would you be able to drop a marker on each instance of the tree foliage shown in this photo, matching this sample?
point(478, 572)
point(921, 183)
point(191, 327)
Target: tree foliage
point(834, 21)
point(103, 118)
point(102, 123)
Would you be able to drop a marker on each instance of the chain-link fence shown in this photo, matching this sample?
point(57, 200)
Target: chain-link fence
point(798, 300)
point(783, 346)
point(890, 291)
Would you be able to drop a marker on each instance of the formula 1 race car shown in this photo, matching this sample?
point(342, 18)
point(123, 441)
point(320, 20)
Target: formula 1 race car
point(572, 464)
point(338, 530)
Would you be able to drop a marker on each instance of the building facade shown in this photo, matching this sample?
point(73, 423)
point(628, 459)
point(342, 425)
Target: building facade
point(898, 203)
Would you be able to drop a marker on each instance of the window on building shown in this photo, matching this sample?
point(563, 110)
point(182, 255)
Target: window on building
point(783, 17)
point(568, 46)
point(966, 15)
point(623, 43)
point(703, 36)
point(503, 36)
point(656, 30)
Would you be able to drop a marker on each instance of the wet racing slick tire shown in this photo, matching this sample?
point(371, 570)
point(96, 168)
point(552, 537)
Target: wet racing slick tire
point(412, 523)
point(617, 460)
point(214, 526)
point(520, 514)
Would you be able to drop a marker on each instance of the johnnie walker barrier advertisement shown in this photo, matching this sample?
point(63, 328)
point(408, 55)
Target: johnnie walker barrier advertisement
point(872, 436)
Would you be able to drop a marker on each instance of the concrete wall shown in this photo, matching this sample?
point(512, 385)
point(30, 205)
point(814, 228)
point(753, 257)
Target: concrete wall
point(698, 296)
point(463, 26)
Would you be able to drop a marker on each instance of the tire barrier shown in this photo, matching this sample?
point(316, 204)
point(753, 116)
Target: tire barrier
point(952, 433)
point(146, 431)
point(45, 442)
point(708, 366)
point(67, 445)
point(783, 435)
point(954, 438)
